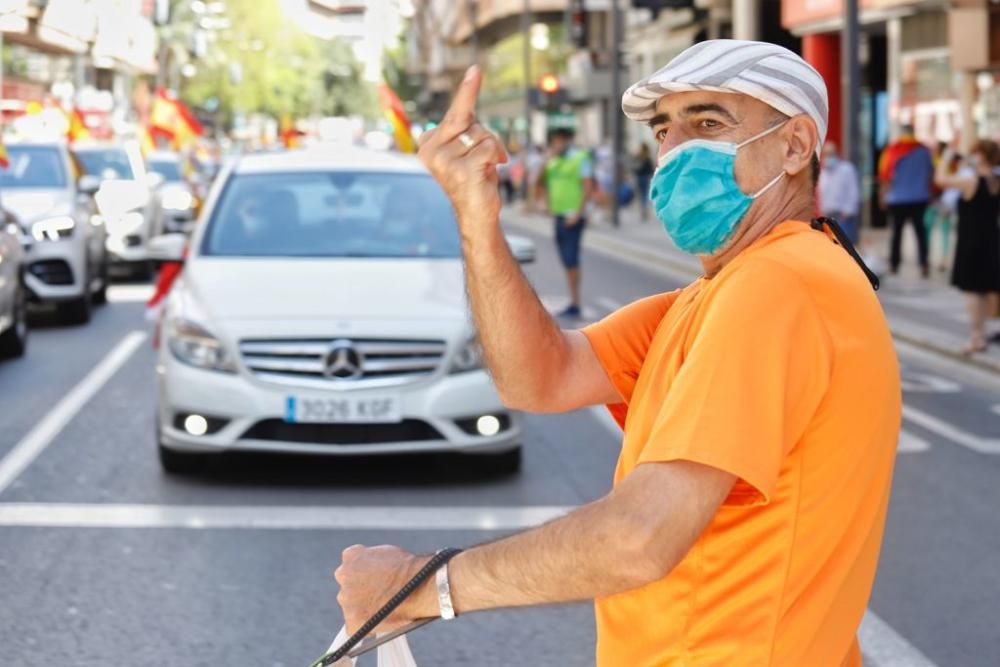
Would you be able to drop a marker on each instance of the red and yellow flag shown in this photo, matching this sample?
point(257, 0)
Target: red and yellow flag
point(396, 114)
point(171, 120)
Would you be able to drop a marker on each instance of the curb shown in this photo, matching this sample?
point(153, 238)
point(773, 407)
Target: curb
point(637, 255)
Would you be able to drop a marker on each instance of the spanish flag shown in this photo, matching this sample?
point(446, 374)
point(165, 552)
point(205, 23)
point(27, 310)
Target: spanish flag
point(171, 120)
point(396, 115)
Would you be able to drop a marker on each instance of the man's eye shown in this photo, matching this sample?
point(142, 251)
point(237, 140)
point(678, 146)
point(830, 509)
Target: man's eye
point(709, 123)
point(661, 135)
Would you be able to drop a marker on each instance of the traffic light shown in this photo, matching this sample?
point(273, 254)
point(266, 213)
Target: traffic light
point(549, 84)
point(578, 24)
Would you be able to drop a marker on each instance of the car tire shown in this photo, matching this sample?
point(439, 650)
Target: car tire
point(14, 341)
point(101, 295)
point(503, 463)
point(77, 311)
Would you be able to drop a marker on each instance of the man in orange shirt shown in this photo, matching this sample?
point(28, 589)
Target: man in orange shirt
point(760, 404)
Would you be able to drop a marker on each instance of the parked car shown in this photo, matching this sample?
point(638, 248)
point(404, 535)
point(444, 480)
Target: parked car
point(124, 201)
point(13, 292)
point(68, 260)
point(322, 310)
point(175, 192)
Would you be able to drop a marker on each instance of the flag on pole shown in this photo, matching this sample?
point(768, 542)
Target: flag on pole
point(396, 114)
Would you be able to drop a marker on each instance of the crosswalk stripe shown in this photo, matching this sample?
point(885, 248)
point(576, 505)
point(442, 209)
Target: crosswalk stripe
point(948, 431)
point(887, 648)
point(111, 515)
point(908, 442)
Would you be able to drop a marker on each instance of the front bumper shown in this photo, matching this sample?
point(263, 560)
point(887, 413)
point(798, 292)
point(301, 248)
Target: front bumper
point(127, 249)
point(56, 270)
point(243, 402)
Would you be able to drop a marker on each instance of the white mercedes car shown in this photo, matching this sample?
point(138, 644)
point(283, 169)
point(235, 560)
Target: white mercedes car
point(67, 263)
point(321, 310)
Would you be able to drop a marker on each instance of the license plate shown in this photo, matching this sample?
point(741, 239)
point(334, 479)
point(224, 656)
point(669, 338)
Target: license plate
point(342, 410)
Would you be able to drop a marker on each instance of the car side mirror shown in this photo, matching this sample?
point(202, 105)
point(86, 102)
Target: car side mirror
point(522, 248)
point(88, 185)
point(167, 247)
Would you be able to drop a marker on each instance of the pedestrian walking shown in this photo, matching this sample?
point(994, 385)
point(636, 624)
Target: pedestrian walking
point(840, 190)
point(643, 170)
point(566, 185)
point(906, 171)
point(976, 268)
point(760, 404)
point(941, 214)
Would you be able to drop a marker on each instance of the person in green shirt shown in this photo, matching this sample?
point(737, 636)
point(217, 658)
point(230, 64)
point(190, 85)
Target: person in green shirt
point(566, 183)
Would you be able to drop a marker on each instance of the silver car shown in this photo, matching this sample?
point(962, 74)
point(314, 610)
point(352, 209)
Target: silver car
point(68, 262)
point(177, 200)
point(13, 293)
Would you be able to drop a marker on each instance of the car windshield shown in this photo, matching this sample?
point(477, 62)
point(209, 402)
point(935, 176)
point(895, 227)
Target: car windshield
point(332, 214)
point(170, 170)
point(111, 163)
point(33, 167)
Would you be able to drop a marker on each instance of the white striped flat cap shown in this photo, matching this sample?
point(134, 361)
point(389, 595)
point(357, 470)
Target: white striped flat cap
point(768, 72)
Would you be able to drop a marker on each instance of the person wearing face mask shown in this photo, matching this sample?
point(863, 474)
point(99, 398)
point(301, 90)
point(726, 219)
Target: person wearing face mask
point(839, 195)
point(976, 269)
point(760, 404)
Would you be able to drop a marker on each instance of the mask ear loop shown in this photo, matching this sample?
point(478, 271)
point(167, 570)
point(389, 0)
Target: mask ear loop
point(767, 187)
point(761, 135)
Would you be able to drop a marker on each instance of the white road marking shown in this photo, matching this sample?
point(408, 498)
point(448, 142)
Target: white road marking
point(926, 383)
point(32, 444)
point(950, 432)
point(608, 304)
point(102, 515)
point(130, 293)
point(909, 442)
point(995, 409)
point(886, 647)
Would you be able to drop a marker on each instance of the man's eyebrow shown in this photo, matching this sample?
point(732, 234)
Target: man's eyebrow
point(658, 119)
point(710, 106)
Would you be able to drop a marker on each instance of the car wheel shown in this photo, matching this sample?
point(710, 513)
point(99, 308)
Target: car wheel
point(101, 295)
point(77, 311)
point(14, 341)
point(504, 463)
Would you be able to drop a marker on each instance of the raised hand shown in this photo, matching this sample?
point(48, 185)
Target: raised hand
point(463, 156)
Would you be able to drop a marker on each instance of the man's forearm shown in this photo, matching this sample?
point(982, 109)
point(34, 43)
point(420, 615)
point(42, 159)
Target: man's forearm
point(521, 341)
point(593, 552)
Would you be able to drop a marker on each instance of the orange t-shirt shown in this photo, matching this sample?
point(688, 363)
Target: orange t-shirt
point(780, 370)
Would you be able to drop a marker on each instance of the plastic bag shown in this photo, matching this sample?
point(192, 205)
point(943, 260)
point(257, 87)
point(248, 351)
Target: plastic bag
point(391, 654)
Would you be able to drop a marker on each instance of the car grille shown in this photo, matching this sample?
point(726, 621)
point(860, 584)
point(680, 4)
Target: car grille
point(52, 272)
point(342, 362)
point(408, 430)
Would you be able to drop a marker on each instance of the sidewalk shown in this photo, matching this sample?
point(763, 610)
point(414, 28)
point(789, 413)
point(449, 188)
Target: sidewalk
point(926, 313)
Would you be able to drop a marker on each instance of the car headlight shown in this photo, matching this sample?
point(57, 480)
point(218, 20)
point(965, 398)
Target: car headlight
point(125, 224)
point(468, 358)
point(53, 229)
point(177, 200)
point(194, 345)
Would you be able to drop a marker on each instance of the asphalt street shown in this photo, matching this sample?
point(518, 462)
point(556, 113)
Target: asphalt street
point(104, 560)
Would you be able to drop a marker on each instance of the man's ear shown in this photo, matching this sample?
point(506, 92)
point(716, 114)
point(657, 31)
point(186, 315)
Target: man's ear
point(802, 138)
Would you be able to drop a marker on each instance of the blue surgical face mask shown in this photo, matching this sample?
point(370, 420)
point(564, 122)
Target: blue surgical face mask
point(695, 195)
